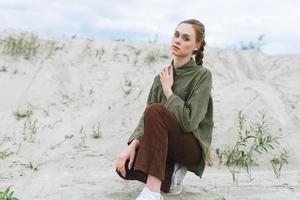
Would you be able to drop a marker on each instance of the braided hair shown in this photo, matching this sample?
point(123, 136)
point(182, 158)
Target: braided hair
point(200, 37)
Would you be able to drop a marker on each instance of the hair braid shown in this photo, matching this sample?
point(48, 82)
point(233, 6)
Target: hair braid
point(200, 53)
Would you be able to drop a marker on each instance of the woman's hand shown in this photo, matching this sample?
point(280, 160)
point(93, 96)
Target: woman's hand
point(129, 153)
point(166, 79)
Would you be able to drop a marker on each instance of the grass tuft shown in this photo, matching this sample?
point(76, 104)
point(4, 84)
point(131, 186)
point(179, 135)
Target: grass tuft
point(7, 195)
point(253, 138)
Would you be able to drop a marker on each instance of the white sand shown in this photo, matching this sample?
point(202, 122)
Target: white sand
point(72, 88)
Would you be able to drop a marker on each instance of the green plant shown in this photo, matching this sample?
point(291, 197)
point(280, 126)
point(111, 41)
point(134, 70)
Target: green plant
point(52, 46)
point(3, 69)
point(66, 98)
point(136, 53)
point(96, 133)
point(128, 86)
point(24, 44)
point(278, 162)
point(151, 57)
point(164, 56)
point(126, 56)
point(31, 166)
point(30, 130)
point(154, 55)
point(7, 195)
point(15, 71)
point(87, 51)
point(252, 139)
point(4, 154)
point(23, 113)
point(100, 53)
point(67, 137)
point(251, 45)
point(82, 137)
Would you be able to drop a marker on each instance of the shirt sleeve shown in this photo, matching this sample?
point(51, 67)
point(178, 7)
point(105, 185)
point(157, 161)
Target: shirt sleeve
point(190, 113)
point(139, 130)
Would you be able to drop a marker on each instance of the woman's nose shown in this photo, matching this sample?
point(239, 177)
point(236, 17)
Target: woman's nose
point(177, 40)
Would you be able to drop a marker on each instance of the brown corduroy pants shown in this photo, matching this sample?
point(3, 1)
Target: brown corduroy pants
point(164, 143)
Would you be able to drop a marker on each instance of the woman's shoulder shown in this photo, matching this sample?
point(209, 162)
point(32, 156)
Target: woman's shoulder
point(203, 71)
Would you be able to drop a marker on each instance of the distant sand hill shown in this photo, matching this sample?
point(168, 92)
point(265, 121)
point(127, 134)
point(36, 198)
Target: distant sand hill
point(68, 106)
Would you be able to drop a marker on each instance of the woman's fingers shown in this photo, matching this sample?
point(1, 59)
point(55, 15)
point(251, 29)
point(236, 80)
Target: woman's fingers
point(131, 159)
point(123, 171)
point(170, 69)
point(130, 163)
point(129, 154)
point(166, 71)
point(121, 167)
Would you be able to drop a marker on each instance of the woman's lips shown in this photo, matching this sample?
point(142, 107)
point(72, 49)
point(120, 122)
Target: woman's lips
point(175, 47)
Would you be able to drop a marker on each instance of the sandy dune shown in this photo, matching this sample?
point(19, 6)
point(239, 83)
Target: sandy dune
point(72, 85)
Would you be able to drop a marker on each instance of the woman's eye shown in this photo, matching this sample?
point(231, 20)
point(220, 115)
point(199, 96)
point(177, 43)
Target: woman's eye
point(176, 34)
point(185, 38)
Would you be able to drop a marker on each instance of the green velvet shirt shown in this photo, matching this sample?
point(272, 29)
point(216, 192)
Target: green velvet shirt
point(192, 104)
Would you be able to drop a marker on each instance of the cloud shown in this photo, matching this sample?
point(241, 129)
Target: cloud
point(225, 23)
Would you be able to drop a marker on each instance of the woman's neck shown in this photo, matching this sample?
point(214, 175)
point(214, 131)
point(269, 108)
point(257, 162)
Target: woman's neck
point(179, 61)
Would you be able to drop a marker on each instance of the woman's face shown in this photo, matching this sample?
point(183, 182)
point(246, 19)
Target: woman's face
point(184, 40)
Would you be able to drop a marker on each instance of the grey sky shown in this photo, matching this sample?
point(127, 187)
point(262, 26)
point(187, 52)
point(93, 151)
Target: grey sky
point(226, 22)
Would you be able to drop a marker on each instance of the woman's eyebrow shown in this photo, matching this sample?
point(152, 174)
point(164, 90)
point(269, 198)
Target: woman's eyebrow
point(184, 34)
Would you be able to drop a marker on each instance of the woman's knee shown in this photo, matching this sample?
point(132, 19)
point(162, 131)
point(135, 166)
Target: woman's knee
point(154, 107)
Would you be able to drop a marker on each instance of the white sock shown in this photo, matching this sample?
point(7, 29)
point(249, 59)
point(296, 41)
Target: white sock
point(156, 194)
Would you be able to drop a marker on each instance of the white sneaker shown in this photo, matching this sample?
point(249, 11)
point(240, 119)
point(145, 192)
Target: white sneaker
point(177, 179)
point(147, 194)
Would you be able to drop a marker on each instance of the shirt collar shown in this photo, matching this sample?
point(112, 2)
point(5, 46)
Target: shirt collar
point(188, 66)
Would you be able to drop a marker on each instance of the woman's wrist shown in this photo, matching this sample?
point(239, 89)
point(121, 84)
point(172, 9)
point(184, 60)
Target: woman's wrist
point(135, 143)
point(168, 93)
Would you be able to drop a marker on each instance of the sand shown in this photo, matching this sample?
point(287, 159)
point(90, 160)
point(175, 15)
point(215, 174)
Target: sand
point(83, 83)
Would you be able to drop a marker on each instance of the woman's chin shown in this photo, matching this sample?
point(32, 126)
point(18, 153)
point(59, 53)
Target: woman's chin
point(175, 53)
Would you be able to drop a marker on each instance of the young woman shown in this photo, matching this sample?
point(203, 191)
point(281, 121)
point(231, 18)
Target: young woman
point(175, 131)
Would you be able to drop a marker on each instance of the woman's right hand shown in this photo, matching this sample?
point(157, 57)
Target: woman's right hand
point(128, 154)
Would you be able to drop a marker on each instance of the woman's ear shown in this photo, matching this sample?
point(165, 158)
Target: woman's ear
point(198, 45)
